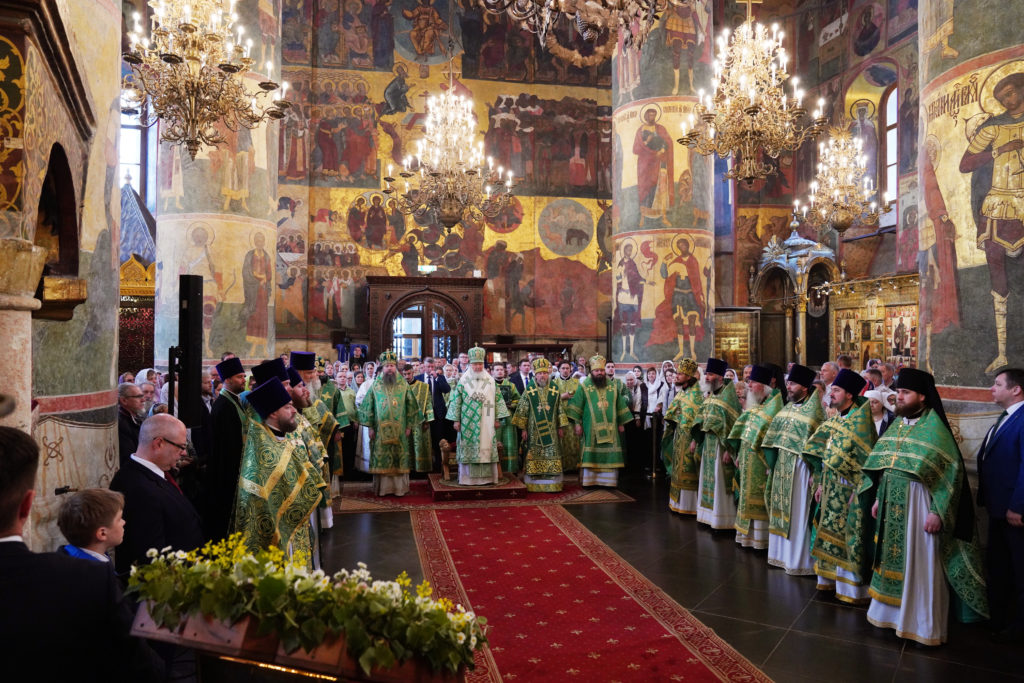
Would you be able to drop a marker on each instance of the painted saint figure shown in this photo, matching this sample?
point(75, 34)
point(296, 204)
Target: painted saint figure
point(257, 280)
point(654, 175)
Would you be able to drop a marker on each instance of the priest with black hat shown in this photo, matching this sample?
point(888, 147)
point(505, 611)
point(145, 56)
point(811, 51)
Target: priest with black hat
point(924, 520)
point(280, 486)
point(836, 451)
point(230, 424)
point(789, 477)
point(716, 505)
point(761, 404)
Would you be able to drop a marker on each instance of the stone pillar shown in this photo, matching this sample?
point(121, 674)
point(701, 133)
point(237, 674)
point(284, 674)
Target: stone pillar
point(663, 225)
point(801, 330)
point(790, 312)
point(215, 218)
point(21, 265)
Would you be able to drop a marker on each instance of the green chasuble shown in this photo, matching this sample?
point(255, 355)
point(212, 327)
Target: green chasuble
point(711, 430)
point(326, 426)
point(836, 451)
point(389, 411)
point(540, 413)
point(345, 411)
point(507, 432)
point(783, 444)
point(329, 395)
point(680, 463)
point(421, 437)
point(925, 452)
point(752, 469)
point(279, 487)
point(601, 412)
point(476, 404)
point(568, 443)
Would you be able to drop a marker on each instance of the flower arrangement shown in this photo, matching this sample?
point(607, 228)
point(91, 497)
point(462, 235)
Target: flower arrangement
point(383, 622)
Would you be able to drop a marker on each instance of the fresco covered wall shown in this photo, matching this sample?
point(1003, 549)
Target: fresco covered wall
point(361, 75)
point(75, 421)
point(970, 172)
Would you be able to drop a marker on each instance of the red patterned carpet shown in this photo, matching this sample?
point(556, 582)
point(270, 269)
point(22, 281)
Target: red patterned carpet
point(359, 497)
point(561, 605)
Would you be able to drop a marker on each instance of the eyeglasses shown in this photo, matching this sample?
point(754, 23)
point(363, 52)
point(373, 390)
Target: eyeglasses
point(180, 447)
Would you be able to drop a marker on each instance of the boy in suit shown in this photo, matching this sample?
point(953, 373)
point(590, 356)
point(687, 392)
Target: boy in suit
point(62, 618)
point(92, 522)
point(1001, 491)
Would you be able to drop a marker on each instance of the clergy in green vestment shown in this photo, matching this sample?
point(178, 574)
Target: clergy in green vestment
point(599, 412)
point(762, 403)
point(841, 544)
point(421, 437)
point(540, 416)
point(925, 537)
point(476, 409)
point(569, 446)
point(319, 451)
point(318, 413)
point(789, 477)
point(280, 486)
point(716, 504)
point(390, 412)
point(507, 433)
point(678, 449)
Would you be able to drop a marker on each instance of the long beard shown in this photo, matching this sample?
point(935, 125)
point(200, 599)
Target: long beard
point(599, 382)
point(388, 379)
point(754, 399)
point(314, 386)
point(541, 382)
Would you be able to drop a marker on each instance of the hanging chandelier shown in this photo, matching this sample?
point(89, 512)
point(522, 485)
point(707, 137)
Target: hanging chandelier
point(189, 73)
point(449, 175)
point(841, 193)
point(747, 113)
point(634, 19)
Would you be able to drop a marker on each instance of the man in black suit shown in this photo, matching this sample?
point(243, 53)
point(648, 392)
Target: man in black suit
point(522, 378)
point(1001, 491)
point(228, 428)
point(129, 417)
point(63, 618)
point(440, 428)
point(156, 513)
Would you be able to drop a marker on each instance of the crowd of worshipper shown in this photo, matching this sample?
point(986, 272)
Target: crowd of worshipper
point(853, 478)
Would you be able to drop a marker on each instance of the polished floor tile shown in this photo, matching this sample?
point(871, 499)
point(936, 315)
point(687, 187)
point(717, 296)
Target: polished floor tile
point(778, 622)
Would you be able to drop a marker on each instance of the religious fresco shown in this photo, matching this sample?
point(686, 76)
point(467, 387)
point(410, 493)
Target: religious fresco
point(971, 233)
point(902, 20)
point(544, 280)
point(848, 332)
point(675, 60)
point(663, 282)
point(12, 114)
point(867, 30)
point(662, 183)
point(900, 334)
point(233, 256)
point(235, 177)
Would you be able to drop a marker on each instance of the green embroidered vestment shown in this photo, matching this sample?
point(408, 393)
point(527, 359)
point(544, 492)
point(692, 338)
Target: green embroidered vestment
point(718, 414)
point(540, 413)
point(601, 412)
point(751, 468)
point(783, 445)
point(680, 463)
point(390, 410)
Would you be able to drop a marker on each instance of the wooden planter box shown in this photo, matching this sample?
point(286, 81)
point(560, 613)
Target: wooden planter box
point(241, 640)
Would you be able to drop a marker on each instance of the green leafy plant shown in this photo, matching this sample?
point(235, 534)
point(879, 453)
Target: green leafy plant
point(383, 622)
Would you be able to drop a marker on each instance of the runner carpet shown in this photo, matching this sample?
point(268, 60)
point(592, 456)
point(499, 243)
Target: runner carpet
point(561, 605)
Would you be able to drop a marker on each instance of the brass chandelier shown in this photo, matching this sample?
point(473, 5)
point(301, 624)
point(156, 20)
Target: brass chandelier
point(634, 19)
point(449, 175)
point(841, 194)
point(748, 114)
point(189, 73)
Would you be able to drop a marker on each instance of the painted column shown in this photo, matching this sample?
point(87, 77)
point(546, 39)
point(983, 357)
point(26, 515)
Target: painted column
point(215, 218)
point(971, 178)
point(790, 312)
point(663, 227)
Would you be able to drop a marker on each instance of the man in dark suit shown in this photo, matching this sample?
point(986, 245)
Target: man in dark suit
point(156, 513)
point(229, 425)
point(1001, 491)
point(524, 377)
point(440, 428)
point(63, 618)
point(129, 417)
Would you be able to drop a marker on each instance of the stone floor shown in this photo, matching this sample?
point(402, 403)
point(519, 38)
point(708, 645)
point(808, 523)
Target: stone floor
point(776, 621)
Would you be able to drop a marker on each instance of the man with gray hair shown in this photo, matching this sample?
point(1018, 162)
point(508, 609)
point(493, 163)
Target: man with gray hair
point(156, 513)
point(828, 373)
point(130, 411)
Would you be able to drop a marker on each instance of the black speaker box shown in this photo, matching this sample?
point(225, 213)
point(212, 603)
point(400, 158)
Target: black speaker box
point(190, 343)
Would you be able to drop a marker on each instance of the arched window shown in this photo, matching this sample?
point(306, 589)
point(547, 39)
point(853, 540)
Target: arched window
point(890, 137)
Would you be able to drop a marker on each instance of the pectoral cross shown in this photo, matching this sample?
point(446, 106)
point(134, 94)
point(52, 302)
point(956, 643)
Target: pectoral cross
point(603, 403)
point(487, 409)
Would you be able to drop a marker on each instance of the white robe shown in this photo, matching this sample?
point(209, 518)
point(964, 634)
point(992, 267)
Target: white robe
point(923, 614)
point(794, 553)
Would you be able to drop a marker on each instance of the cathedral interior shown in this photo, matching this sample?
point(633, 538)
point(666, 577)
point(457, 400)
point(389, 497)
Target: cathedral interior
point(302, 243)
